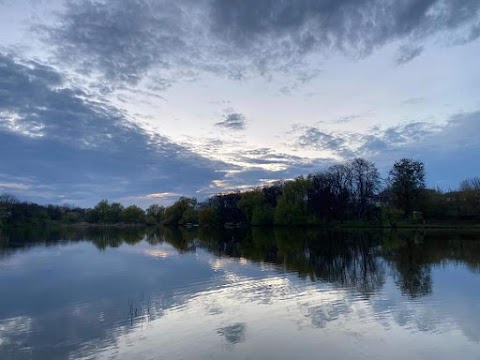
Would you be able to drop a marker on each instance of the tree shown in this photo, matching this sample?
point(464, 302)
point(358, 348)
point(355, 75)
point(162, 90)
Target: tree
point(365, 183)
point(472, 184)
point(340, 179)
point(8, 199)
point(155, 214)
point(133, 215)
point(407, 181)
point(292, 204)
point(114, 213)
point(101, 211)
point(468, 198)
point(181, 212)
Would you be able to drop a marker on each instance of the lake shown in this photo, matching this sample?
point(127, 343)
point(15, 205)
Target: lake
point(239, 294)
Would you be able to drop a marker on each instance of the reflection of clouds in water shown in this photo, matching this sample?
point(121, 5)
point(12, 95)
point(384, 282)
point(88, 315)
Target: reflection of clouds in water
point(435, 314)
point(327, 312)
point(322, 306)
point(195, 296)
point(234, 333)
point(157, 253)
point(13, 330)
point(332, 309)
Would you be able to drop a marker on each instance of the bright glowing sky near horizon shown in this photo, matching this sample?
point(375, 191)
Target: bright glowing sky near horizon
point(141, 101)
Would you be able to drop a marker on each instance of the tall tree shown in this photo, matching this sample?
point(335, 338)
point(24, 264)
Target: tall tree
point(340, 177)
point(133, 215)
point(101, 211)
point(293, 203)
point(365, 183)
point(181, 212)
point(155, 214)
point(407, 181)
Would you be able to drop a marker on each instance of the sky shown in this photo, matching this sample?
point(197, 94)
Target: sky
point(142, 101)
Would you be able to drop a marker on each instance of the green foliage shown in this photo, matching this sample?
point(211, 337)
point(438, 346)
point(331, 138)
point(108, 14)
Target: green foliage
point(435, 205)
point(181, 212)
point(106, 213)
point(133, 215)
point(207, 217)
point(390, 216)
point(155, 214)
point(292, 204)
point(71, 217)
point(263, 215)
point(255, 209)
point(101, 211)
point(114, 213)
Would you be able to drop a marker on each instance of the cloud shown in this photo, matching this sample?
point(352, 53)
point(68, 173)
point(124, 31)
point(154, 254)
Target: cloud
point(452, 143)
point(169, 40)
point(407, 53)
point(70, 147)
point(353, 27)
point(350, 144)
point(233, 121)
point(315, 139)
point(123, 40)
point(58, 145)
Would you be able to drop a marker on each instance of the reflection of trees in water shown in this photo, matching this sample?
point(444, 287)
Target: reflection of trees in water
point(346, 259)
point(181, 239)
point(102, 237)
point(411, 265)
point(413, 255)
point(354, 259)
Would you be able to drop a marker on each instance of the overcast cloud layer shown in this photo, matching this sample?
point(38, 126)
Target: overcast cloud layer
point(143, 101)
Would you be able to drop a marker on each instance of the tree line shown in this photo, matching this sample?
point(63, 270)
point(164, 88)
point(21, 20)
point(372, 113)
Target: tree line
point(352, 192)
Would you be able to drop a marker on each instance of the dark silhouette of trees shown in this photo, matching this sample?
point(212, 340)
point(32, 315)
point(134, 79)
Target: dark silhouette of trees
point(365, 184)
point(407, 181)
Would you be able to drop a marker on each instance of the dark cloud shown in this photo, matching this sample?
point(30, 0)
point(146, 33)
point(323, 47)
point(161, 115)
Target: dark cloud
point(233, 121)
point(407, 53)
point(348, 144)
point(353, 26)
point(359, 23)
point(72, 148)
point(124, 39)
point(315, 139)
point(127, 40)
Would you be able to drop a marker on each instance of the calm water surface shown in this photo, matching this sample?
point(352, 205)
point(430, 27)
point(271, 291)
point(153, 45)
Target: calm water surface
point(261, 294)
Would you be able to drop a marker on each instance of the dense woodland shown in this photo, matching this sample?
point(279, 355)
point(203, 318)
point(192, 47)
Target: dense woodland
point(350, 193)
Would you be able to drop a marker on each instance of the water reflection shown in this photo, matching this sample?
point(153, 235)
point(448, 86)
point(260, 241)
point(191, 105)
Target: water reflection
point(233, 333)
point(147, 293)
